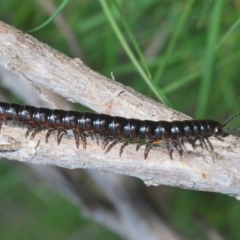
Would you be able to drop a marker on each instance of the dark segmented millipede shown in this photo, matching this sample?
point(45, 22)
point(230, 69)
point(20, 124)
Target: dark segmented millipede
point(114, 129)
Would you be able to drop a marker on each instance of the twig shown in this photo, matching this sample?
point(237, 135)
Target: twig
point(39, 64)
point(70, 184)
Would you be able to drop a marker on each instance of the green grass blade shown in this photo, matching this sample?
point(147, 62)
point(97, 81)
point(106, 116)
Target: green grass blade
point(157, 92)
point(234, 26)
point(205, 84)
point(131, 36)
point(203, 13)
point(181, 82)
point(59, 9)
point(173, 40)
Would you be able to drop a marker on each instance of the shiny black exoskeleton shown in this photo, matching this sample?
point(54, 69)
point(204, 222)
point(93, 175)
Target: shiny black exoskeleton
point(112, 129)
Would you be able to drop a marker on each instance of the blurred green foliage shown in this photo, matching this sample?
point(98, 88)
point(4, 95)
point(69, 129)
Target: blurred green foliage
point(33, 210)
point(185, 53)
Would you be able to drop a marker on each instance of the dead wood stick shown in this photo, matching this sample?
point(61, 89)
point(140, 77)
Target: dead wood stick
point(37, 63)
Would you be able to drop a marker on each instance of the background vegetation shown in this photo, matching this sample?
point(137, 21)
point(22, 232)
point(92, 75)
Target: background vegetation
point(183, 53)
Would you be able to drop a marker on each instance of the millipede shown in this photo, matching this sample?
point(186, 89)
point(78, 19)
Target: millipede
point(114, 129)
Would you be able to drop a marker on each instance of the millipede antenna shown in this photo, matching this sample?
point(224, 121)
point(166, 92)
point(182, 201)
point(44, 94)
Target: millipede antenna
point(232, 129)
point(229, 120)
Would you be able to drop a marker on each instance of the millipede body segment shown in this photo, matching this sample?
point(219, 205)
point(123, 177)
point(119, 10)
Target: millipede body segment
point(112, 130)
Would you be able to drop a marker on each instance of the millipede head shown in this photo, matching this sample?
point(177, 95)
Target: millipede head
point(218, 130)
point(210, 128)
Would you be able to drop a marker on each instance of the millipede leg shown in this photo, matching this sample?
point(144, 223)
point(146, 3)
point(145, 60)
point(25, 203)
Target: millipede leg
point(106, 141)
point(102, 136)
point(204, 143)
point(60, 134)
point(30, 129)
point(96, 137)
point(138, 145)
point(79, 135)
point(91, 135)
point(112, 144)
point(176, 145)
point(170, 150)
point(16, 122)
point(182, 142)
point(83, 139)
point(147, 149)
point(123, 146)
point(36, 131)
point(76, 136)
point(1, 121)
point(50, 132)
point(192, 142)
point(209, 143)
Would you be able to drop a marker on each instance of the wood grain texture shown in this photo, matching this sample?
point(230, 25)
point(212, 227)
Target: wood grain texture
point(37, 63)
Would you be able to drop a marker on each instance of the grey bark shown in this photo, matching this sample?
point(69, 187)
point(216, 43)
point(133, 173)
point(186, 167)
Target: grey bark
point(40, 65)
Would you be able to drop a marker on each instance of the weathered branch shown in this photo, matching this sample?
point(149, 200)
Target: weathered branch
point(39, 64)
